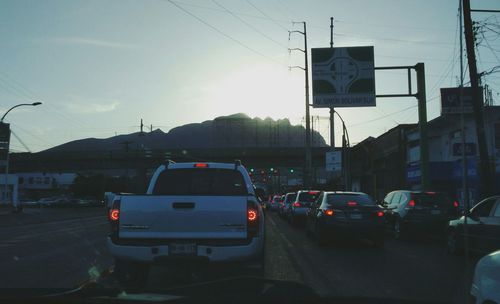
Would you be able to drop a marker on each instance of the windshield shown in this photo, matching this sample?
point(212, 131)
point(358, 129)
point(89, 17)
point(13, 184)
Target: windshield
point(395, 100)
point(308, 197)
point(428, 199)
point(342, 200)
point(290, 198)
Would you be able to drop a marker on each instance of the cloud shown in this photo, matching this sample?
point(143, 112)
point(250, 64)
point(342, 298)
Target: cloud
point(93, 42)
point(82, 105)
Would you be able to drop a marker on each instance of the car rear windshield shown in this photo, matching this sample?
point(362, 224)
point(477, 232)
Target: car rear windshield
point(200, 182)
point(308, 197)
point(290, 198)
point(431, 198)
point(340, 200)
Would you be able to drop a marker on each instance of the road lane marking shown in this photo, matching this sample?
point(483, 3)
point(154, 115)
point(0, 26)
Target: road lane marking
point(272, 221)
point(287, 241)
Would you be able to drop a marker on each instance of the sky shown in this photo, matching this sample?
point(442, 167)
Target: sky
point(99, 66)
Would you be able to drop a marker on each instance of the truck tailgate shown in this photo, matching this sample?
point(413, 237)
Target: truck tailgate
point(183, 217)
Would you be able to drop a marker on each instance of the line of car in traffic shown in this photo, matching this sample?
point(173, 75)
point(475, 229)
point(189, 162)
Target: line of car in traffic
point(402, 213)
point(332, 214)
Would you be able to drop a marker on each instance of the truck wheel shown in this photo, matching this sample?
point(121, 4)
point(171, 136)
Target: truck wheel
point(132, 275)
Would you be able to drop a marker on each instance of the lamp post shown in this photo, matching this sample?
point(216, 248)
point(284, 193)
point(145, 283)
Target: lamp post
point(6, 187)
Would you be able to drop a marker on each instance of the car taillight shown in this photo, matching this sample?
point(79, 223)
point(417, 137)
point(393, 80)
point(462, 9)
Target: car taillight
point(329, 212)
point(252, 219)
point(380, 214)
point(352, 204)
point(455, 204)
point(411, 203)
point(296, 204)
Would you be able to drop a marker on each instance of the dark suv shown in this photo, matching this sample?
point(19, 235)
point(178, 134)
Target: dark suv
point(418, 211)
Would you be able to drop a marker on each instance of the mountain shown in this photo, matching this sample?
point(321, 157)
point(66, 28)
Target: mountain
point(233, 131)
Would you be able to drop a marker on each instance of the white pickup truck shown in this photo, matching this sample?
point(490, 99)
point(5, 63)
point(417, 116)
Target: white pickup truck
point(204, 212)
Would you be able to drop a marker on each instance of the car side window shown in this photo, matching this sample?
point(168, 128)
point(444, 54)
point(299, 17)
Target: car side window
point(387, 199)
point(395, 199)
point(404, 198)
point(318, 202)
point(483, 209)
point(497, 210)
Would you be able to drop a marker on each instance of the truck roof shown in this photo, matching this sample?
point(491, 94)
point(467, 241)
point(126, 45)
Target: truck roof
point(203, 165)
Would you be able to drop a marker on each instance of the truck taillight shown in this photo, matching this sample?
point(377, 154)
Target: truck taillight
point(252, 219)
point(114, 218)
point(251, 215)
point(114, 215)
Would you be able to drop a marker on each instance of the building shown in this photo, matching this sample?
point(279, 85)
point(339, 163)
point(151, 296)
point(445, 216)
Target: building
point(445, 152)
point(9, 189)
point(377, 165)
point(45, 181)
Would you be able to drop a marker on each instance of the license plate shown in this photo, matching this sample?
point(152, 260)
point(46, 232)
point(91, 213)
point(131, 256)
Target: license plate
point(182, 249)
point(435, 212)
point(356, 216)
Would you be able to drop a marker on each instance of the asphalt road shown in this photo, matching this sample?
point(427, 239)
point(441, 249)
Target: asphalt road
point(68, 251)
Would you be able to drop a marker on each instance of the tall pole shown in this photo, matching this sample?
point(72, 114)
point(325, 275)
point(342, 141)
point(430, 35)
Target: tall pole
point(308, 122)
point(422, 122)
point(332, 110)
point(465, 189)
point(477, 105)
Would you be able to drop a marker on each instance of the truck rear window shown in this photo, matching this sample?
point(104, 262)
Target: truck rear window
point(200, 182)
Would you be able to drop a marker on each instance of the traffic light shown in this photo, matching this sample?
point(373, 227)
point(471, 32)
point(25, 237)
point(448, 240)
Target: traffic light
point(291, 170)
point(272, 169)
point(251, 170)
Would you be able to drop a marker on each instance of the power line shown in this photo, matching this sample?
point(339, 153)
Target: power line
point(266, 15)
point(390, 114)
point(222, 33)
point(249, 25)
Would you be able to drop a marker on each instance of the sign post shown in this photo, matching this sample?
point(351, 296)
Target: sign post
point(4, 155)
point(333, 161)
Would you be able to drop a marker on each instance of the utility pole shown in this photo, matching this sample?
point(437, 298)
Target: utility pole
point(332, 109)
point(477, 105)
point(422, 123)
point(308, 164)
point(465, 189)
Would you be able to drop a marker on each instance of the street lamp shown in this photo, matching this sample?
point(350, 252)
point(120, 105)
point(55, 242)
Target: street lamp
point(7, 148)
point(19, 105)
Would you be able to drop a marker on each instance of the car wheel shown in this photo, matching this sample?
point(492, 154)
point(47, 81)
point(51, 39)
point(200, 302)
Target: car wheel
point(452, 246)
point(131, 274)
point(396, 229)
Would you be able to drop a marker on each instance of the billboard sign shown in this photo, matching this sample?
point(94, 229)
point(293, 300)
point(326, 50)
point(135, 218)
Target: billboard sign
point(343, 77)
point(450, 100)
point(470, 149)
point(333, 161)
